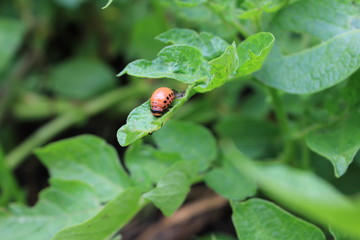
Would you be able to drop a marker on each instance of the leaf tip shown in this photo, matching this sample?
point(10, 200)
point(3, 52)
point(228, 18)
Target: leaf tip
point(107, 4)
point(121, 73)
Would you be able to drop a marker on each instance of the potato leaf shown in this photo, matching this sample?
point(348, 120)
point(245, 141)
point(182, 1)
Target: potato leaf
point(180, 62)
point(221, 69)
point(147, 164)
point(172, 188)
point(336, 144)
point(253, 51)
point(210, 46)
point(106, 223)
point(222, 179)
point(289, 186)
point(193, 142)
point(86, 183)
point(321, 66)
point(260, 219)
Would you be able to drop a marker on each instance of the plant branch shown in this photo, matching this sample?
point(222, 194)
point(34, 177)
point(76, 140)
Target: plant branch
point(74, 116)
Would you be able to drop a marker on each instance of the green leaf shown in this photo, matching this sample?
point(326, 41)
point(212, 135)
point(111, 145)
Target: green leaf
point(322, 66)
point(253, 51)
point(147, 164)
point(84, 174)
point(221, 69)
point(172, 188)
point(81, 78)
point(253, 137)
point(141, 122)
point(338, 142)
point(323, 19)
point(180, 62)
point(106, 223)
point(11, 34)
point(315, 69)
point(259, 219)
point(210, 46)
point(193, 142)
point(321, 202)
point(87, 159)
point(230, 183)
point(63, 204)
point(339, 235)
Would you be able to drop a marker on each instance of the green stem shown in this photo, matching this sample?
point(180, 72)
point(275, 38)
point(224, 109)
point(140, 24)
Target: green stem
point(305, 155)
point(62, 122)
point(258, 21)
point(283, 124)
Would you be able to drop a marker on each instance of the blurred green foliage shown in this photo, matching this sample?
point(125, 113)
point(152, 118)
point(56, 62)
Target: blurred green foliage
point(269, 109)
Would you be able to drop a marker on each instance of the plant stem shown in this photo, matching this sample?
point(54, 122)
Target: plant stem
point(62, 122)
point(305, 155)
point(283, 124)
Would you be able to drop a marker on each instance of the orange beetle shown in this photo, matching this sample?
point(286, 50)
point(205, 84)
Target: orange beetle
point(160, 101)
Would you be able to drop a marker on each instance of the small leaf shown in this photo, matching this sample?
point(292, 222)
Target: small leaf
point(81, 78)
point(221, 69)
point(193, 142)
point(180, 62)
point(259, 219)
point(172, 188)
point(339, 142)
point(253, 51)
point(11, 34)
point(108, 221)
point(209, 45)
point(141, 122)
point(230, 183)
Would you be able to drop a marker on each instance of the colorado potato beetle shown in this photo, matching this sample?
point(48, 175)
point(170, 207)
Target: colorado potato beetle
point(160, 101)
